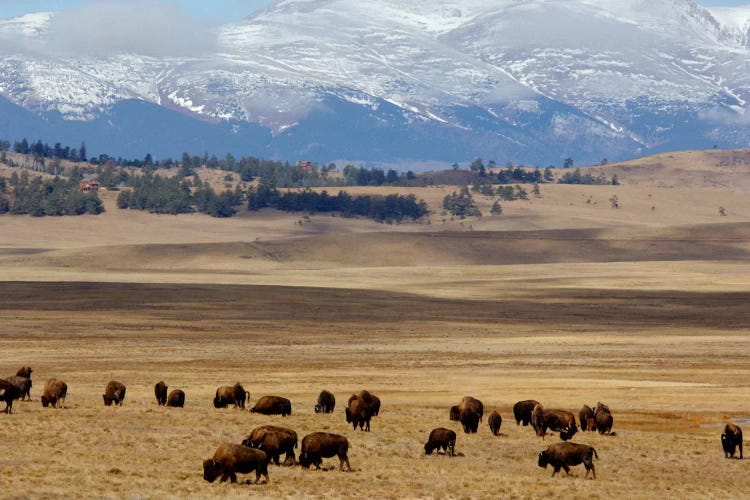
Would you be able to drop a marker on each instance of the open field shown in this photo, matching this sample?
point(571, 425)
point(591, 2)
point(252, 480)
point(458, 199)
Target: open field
point(561, 299)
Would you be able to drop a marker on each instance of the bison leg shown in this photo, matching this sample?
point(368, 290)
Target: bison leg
point(740, 444)
point(343, 458)
point(451, 448)
point(557, 469)
point(566, 469)
point(368, 426)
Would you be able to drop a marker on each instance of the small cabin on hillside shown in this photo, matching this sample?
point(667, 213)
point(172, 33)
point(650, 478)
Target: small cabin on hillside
point(89, 184)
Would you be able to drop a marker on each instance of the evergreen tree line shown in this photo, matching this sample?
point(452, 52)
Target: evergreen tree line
point(392, 207)
point(172, 195)
point(43, 150)
point(461, 204)
point(576, 177)
point(22, 195)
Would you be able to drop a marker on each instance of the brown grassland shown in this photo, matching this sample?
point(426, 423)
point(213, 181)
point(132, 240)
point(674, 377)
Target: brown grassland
point(560, 299)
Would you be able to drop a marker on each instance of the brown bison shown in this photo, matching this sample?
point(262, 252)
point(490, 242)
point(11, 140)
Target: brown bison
point(285, 442)
point(560, 421)
point(495, 421)
point(55, 392)
point(566, 455)
point(370, 399)
point(522, 411)
point(603, 419)
point(114, 393)
point(9, 392)
point(469, 412)
point(231, 395)
point(272, 405)
point(320, 445)
point(326, 402)
point(358, 413)
point(24, 371)
point(441, 438)
point(730, 440)
point(176, 399)
point(160, 390)
point(230, 459)
point(23, 384)
point(585, 417)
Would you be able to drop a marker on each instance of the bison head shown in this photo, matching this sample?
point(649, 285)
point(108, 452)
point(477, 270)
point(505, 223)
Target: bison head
point(210, 470)
point(428, 448)
point(348, 415)
point(454, 413)
point(45, 403)
point(304, 459)
point(107, 400)
point(568, 433)
point(318, 408)
point(543, 459)
point(728, 443)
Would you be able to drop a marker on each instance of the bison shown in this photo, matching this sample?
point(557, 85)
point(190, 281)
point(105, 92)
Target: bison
point(522, 411)
point(285, 442)
point(231, 395)
point(495, 421)
point(160, 390)
point(584, 417)
point(55, 392)
point(9, 392)
point(565, 455)
point(272, 405)
point(176, 399)
point(731, 439)
point(603, 419)
point(441, 438)
point(114, 393)
point(326, 402)
point(358, 413)
point(23, 384)
point(560, 421)
point(320, 445)
point(24, 371)
point(370, 399)
point(230, 459)
point(469, 412)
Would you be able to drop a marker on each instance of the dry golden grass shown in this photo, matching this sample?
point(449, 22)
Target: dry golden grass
point(560, 299)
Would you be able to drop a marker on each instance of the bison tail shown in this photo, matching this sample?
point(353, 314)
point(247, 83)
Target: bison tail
point(595, 454)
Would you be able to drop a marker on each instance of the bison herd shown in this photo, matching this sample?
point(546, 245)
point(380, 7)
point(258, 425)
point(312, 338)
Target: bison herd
point(268, 443)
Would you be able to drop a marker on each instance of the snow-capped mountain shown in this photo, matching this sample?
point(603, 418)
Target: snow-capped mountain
point(390, 80)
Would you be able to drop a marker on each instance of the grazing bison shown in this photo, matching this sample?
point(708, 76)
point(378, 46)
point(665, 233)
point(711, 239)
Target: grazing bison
point(231, 395)
point(560, 421)
point(55, 392)
point(358, 413)
point(160, 390)
point(603, 419)
point(23, 384)
point(326, 402)
point(566, 455)
point(731, 439)
point(176, 399)
point(584, 417)
point(467, 403)
point(320, 445)
point(522, 411)
point(272, 405)
point(441, 438)
point(495, 421)
point(469, 419)
point(8, 393)
point(114, 393)
point(286, 442)
point(230, 459)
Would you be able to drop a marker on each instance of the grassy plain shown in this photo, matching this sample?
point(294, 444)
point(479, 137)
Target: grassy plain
point(559, 299)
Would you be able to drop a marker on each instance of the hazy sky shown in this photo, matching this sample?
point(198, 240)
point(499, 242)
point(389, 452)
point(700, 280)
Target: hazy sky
point(221, 10)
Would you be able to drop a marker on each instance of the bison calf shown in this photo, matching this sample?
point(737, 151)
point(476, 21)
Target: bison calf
point(495, 421)
point(160, 391)
point(55, 392)
point(326, 402)
point(566, 455)
point(114, 393)
point(441, 438)
point(176, 399)
point(230, 459)
point(731, 439)
point(320, 445)
point(272, 405)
